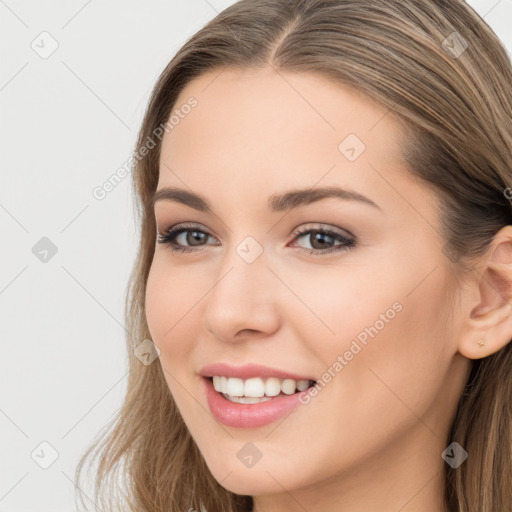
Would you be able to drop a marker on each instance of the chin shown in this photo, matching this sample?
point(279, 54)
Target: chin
point(261, 479)
point(251, 484)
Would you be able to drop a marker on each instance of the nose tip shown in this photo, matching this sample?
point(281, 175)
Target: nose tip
point(241, 306)
point(236, 336)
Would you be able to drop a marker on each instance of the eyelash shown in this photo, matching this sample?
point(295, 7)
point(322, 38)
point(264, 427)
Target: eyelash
point(347, 243)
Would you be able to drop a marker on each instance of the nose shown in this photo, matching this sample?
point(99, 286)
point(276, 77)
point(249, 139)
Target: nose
point(242, 302)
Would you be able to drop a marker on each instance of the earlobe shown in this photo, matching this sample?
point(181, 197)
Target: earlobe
point(489, 323)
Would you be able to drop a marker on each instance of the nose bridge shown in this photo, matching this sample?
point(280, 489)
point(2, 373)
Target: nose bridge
point(241, 297)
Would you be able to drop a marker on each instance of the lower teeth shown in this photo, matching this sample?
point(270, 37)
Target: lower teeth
point(246, 399)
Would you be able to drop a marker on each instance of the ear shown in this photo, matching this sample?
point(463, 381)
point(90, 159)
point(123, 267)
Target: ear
point(488, 326)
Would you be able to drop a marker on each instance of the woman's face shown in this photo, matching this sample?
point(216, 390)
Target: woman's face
point(363, 310)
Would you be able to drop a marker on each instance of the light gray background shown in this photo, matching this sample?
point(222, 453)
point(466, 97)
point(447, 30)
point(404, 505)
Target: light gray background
point(69, 121)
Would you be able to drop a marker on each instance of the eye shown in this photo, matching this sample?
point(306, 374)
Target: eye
point(323, 241)
point(187, 236)
point(186, 233)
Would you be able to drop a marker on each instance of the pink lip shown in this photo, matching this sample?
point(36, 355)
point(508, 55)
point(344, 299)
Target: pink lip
point(248, 415)
point(248, 371)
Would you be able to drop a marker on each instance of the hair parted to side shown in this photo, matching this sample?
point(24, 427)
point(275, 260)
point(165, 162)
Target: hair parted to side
point(458, 111)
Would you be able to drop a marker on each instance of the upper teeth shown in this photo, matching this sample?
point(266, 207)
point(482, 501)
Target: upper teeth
point(258, 387)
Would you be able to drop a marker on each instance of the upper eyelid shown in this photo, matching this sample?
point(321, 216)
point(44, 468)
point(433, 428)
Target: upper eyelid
point(324, 227)
point(186, 226)
point(200, 227)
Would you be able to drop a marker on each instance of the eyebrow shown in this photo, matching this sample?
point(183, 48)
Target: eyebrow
point(276, 203)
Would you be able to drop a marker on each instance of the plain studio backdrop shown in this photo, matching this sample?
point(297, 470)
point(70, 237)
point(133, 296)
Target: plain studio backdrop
point(74, 82)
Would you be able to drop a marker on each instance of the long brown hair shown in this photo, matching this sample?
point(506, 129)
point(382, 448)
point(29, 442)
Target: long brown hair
point(438, 67)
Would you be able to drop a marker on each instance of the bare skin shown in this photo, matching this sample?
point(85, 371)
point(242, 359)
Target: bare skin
point(372, 438)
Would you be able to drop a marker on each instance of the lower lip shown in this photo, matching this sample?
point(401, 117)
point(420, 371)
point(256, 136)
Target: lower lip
point(238, 415)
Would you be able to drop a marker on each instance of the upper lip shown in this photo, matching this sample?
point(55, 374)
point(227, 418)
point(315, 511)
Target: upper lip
point(248, 371)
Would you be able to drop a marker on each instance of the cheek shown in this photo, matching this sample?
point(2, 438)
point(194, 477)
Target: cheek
point(172, 305)
point(333, 307)
point(405, 353)
point(368, 324)
point(391, 372)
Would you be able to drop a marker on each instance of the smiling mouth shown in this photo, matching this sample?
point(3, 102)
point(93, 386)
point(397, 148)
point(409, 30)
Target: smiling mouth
point(256, 390)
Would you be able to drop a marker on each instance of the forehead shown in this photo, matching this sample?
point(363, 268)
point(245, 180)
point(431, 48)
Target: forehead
point(258, 123)
point(263, 101)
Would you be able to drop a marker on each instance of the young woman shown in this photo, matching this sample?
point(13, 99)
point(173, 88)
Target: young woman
point(325, 267)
